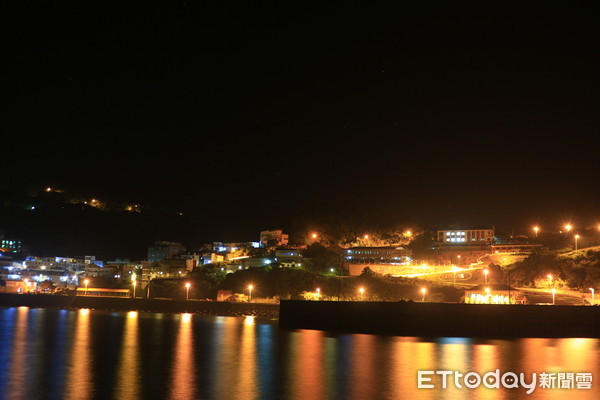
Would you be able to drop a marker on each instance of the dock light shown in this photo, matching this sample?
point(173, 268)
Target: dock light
point(250, 287)
point(553, 293)
point(187, 291)
point(423, 290)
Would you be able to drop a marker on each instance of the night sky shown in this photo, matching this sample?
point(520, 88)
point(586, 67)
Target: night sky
point(251, 115)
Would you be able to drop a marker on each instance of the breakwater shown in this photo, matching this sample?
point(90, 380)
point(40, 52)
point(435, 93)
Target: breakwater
point(145, 305)
point(442, 319)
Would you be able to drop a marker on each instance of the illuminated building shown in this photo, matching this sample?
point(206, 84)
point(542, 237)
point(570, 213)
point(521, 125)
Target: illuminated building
point(465, 237)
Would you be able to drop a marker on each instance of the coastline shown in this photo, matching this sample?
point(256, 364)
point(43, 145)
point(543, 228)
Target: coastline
point(226, 309)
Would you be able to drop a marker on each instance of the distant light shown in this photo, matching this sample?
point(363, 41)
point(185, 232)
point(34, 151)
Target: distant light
point(33, 207)
point(48, 189)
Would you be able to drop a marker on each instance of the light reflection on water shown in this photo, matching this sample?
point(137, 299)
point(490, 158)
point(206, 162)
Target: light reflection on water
point(87, 354)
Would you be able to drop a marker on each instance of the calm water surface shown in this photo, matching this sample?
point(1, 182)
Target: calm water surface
point(60, 354)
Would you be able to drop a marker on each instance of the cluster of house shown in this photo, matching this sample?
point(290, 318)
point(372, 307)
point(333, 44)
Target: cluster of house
point(171, 259)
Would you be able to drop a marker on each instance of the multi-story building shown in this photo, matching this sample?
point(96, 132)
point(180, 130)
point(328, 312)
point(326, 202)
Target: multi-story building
point(378, 255)
point(273, 238)
point(465, 237)
point(163, 250)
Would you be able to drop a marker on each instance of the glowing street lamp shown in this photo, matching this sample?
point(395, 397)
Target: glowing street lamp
point(568, 227)
point(423, 290)
point(366, 236)
point(485, 274)
point(536, 229)
point(86, 286)
point(250, 287)
point(592, 290)
point(319, 293)
point(331, 270)
point(134, 285)
point(187, 291)
point(576, 237)
point(553, 293)
point(314, 235)
point(455, 270)
point(361, 291)
point(549, 279)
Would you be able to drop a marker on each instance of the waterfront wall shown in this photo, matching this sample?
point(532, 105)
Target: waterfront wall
point(148, 305)
point(442, 319)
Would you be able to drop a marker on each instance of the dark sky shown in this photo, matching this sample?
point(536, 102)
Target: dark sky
point(248, 115)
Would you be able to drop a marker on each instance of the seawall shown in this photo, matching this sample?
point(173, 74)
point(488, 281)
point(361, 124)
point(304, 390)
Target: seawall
point(148, 305)
point(442, 319)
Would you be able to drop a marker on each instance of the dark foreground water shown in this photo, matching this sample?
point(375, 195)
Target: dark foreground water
point(60, 354)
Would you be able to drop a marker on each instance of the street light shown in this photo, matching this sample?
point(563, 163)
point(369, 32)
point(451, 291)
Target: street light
point(250, 287)
point(485, 274)
point(187, 291)
point(592, 290)
point(86, 286)
point(318, 293)
point(455, 269)
point(458, 256)
point(553, 293)
point(576, 237)
point(423, 290)
point(536, 229)
point(550, 279)
point(134, 285)
point(568, 227)
point(361, 291)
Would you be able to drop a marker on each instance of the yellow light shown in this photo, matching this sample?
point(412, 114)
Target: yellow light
point(366, 236)
point(314, 235)
point(250, 287)
point(187, 285)
point(86, 281)
point(576, 236)
point(361, 290)
point(408, 233)
point(48, 189)
point(485, 271)
point(487, 290)
point(423, 290)
point(568, 227)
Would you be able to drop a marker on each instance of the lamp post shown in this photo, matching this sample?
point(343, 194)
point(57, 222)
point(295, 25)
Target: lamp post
point(485, 274)
point(553, 293)
point(536, 229)
point(549, 279)
point(134, 285)
point(86, 286)
point(250, 287)
point(454, 269)
point(423, 290)
point(592, 290)
point(187, 291)
point(576, 237)
point(362, 292)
